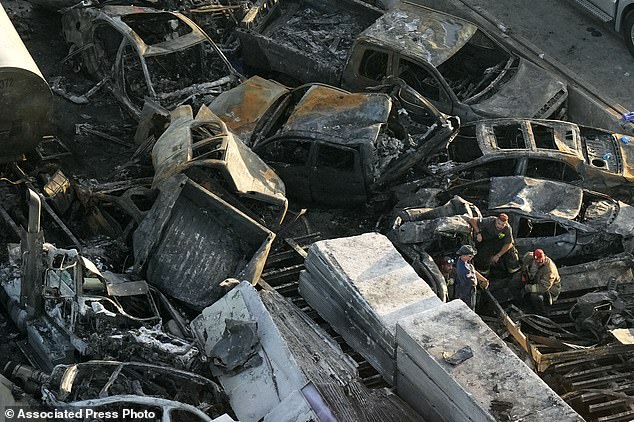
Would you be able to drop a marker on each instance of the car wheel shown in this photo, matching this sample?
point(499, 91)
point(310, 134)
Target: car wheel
point(628, 31)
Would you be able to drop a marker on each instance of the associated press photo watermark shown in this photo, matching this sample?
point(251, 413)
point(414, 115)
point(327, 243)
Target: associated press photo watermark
point(22, 414)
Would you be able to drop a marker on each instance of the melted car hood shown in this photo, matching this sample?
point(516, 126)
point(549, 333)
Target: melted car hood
point(349, 118)
point(524, 95)
point(243, 106)
point(535, 197)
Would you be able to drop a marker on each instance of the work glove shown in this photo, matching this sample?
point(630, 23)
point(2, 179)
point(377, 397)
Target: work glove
point(531, 288)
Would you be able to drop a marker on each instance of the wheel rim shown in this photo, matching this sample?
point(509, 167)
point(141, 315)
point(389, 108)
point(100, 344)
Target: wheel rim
point(632, 35)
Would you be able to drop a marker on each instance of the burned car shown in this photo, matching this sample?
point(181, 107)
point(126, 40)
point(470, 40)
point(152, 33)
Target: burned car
point(567, 222)
point(546, 149)
point(316, 136)
point(205, 150)
point(426, 236)
point(133, 390)
point(456, 65)
point(146, 53)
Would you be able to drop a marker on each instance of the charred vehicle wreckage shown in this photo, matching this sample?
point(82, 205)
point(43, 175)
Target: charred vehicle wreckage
point(330, 145)
point(450, 61)
point(278, 246)
point(143, 53)
point(545, 149)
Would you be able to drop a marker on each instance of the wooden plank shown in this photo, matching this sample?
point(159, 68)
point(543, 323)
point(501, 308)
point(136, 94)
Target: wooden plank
point(596, 370)
point(623, 416)
point(607, 381)
point(604, 406)
point(293, 244)
point(590, 354)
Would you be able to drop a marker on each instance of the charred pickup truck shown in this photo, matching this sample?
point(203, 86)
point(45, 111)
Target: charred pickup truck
point(329, 145)
point(448, 60)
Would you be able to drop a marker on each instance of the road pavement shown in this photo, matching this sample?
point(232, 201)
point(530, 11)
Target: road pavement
point(564, 31)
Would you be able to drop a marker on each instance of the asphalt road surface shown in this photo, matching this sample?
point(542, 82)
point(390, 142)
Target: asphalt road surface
point(563, 30)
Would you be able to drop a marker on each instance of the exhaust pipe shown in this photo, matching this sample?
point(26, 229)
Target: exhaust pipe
point(35, 211)
point(31, 286)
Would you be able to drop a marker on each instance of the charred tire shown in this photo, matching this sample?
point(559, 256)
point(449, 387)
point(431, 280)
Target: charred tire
point(426, 268)
point(628, 31)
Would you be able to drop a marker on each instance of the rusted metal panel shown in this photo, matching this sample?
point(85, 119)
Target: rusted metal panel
point(206, 143)
point(243, 106)
point(191, 241)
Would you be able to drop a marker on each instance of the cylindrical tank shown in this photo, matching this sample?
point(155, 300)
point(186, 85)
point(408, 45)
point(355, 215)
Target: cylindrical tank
point(25, 97)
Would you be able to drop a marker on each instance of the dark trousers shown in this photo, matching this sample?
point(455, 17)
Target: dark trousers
point(466, 292)
point(510, 261)
point(538, 302)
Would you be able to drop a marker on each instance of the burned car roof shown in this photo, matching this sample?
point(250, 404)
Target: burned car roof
point(535, 196)
point(530, 134)
point(243, 106)
point(346, 117)
point(599, 148)
point(596, 159)
point(321, 110)
point(146, 53)
point(130, 21)
point(432, 35)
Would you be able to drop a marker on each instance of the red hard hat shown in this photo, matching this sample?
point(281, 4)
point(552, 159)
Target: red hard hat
point(538, 254)
point(503, 217)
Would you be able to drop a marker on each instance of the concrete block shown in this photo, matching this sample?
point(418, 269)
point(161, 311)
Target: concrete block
point(362, 286)
point(419, 400)
point(376, 271)
point(494, 379)
point(266, 379)
point(380, 357)
point(437, 404)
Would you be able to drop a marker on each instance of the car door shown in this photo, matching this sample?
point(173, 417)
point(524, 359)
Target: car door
point(549, 169)
point(426, 82)
point(290, 158)
point(336, 176)
point(484, 169)
point(421, 113)
point(133, 78)
point(374, 64)
point(557, 240)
